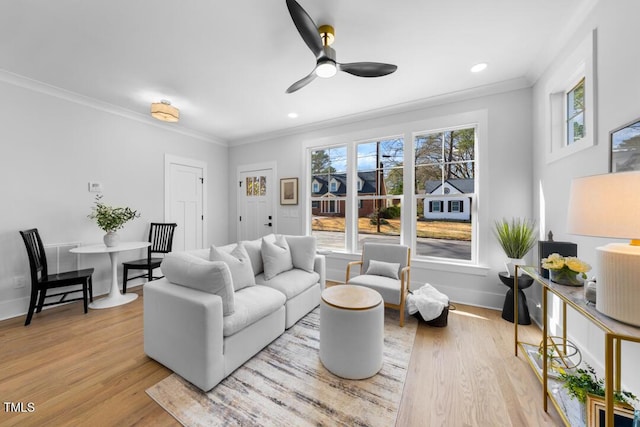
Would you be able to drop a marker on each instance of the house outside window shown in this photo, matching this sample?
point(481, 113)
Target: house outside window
point(334, 186)
point(444, 171)
point(576, 113)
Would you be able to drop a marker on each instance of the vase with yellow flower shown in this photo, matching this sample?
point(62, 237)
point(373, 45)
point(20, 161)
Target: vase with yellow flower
point(569, 271)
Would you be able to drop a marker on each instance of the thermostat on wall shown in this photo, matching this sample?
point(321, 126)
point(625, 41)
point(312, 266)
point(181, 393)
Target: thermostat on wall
point(95, 187)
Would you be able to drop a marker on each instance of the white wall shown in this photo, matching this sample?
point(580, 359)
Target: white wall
point(50, 148)
point(504, 170)
point(618, 80)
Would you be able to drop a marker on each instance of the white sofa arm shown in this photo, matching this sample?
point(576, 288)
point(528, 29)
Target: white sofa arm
point(183, 331)
point(319, 266)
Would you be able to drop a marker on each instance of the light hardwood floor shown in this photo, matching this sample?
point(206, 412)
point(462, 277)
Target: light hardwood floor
point(90, 370)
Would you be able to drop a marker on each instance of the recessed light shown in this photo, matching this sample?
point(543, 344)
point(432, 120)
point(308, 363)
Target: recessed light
point(292, 115)
point(478, 67)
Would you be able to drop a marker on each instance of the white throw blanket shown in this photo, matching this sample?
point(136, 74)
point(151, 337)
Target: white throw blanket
point(428, 301)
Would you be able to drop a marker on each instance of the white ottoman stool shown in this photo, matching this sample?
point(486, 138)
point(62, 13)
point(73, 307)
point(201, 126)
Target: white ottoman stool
point(351, 331)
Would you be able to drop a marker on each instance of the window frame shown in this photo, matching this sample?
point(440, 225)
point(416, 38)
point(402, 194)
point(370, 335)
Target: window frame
point(481, 224)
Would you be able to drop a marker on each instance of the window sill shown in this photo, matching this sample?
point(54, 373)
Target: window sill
point(420, 263)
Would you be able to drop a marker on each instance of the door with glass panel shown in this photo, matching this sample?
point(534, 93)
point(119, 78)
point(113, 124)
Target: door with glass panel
point(255, 204)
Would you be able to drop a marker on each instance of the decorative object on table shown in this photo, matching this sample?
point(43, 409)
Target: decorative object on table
point(585, 386)
point(549, 246)
point(607, 206)
point(562, 354)
point(625, 148)
point(165, 112)
point(524, 281)
point(590, 291)
point(111, 219)
point(623, 415)
point(289, 191)
point(569, 271)
point(581, 382)
point(516, 237)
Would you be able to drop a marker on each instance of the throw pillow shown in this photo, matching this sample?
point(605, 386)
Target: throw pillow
point(276, 257)
point(193, 272)
point(381, 268)
point(303, 251)
point(239, 264)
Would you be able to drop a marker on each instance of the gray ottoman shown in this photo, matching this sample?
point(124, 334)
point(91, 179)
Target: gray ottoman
point(351, 331)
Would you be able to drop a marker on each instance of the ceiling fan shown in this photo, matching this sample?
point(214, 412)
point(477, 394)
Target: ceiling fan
point(319, 40)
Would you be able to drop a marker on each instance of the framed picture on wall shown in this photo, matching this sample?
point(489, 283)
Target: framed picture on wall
point(289, 191)
point(625, 148)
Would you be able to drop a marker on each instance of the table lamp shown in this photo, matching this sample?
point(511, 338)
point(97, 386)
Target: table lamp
point(609, 206)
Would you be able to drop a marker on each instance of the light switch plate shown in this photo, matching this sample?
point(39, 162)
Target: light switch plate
point(95, 187)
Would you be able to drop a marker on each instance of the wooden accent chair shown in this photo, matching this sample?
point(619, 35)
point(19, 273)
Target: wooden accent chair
point(161, 238)
point(42, 281)
point(385, 268)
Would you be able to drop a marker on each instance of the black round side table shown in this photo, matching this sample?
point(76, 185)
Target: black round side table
point(524, 282)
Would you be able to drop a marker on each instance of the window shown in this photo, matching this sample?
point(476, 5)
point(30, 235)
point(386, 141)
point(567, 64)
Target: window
point(444, 168)
point(316, 187)
point(379, 165)
point(436, 216)
point(328, 166)
point(575, 113)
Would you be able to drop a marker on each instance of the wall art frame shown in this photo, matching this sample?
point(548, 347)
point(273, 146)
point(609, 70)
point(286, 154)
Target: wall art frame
point(289, 191)
point(624, 148)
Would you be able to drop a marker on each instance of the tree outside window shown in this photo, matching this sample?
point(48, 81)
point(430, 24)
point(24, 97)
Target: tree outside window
point(575, 113)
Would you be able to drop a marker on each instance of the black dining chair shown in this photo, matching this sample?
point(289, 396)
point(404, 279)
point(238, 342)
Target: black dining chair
point(42, 281)
point(161, 239)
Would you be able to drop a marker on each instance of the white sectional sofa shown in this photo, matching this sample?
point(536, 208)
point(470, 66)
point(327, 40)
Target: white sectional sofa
point(216, 308)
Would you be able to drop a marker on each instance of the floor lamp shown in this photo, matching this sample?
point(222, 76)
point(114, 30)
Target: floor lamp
point(609, 206)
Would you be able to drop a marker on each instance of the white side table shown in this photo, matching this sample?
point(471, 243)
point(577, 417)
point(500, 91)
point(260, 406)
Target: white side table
point(115, 297)
point(351, 331)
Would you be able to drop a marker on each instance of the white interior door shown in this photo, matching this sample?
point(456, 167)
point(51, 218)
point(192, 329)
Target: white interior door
point(255, 200)
point(185, 204)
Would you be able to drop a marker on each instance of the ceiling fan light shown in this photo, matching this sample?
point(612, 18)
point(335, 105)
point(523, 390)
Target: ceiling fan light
point(326, 69)
point(164, 111)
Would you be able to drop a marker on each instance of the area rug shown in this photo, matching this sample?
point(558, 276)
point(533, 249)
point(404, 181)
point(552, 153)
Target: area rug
point(286, 384)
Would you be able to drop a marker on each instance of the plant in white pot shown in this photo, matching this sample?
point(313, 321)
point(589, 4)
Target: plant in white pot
point(111, 219)
point(516, 237)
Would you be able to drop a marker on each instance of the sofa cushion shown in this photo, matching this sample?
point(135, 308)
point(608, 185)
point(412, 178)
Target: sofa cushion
point(381, 268)
point(303, 251)
point(387, 287)
point(276, 257)
point(254, 249)
point(290, 283)
point(252, 304)
point(236, 257)
point(194, 272)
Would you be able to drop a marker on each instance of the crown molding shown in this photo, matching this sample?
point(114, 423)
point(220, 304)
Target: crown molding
point(463, 95)
point(54, 91)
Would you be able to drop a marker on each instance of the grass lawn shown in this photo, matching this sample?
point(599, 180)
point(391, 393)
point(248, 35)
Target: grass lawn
point(434, 229)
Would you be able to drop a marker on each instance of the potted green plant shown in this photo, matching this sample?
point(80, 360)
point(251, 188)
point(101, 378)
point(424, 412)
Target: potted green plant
point(517, 237)
point(111, 219)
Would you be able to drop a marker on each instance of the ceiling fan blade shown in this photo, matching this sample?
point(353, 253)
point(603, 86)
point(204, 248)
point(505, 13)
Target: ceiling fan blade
point(367, 69)
point(302, 82)
point(306, 27)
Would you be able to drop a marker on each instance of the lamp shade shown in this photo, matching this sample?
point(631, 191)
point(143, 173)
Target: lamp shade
point(164, 111)
point(609, 206)
point(605, 205)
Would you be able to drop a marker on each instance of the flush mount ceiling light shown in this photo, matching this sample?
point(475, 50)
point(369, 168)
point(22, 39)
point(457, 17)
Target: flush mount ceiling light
point(479, 67)
point(164, 111)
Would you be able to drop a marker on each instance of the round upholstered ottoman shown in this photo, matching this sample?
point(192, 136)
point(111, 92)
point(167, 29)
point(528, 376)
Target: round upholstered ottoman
point(351, 331)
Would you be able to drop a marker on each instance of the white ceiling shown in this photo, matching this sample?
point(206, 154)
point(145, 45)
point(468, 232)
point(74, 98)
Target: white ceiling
point(226, 65)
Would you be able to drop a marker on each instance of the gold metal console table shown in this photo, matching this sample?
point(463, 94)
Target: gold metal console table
point(614, 333)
